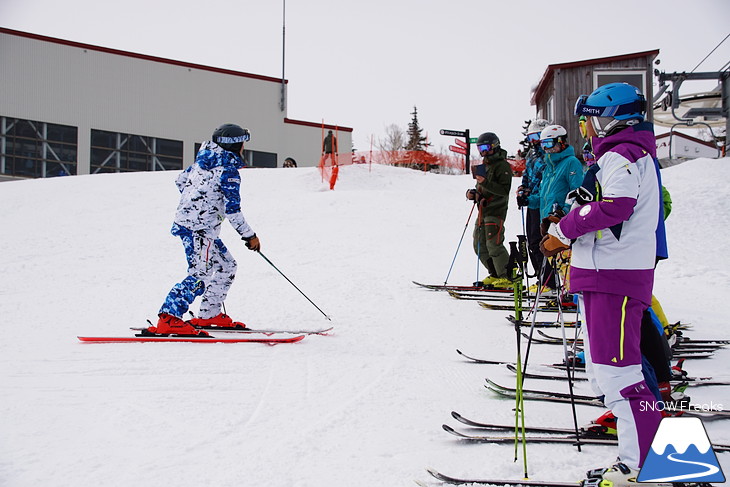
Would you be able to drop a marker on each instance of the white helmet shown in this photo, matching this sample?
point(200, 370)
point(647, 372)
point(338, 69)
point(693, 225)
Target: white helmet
point(553, 132)
point(537, 125)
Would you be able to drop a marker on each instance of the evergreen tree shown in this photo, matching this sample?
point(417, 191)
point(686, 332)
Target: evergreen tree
point(416, 141)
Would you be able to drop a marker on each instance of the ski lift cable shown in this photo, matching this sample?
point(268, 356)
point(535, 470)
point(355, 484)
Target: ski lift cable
point(715, 49)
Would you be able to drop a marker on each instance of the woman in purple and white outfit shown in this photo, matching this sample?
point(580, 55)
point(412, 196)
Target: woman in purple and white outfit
point(617, 233)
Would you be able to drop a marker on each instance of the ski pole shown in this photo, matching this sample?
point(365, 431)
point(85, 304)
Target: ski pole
point(295, 286)
point(569, 367)
point(538, 295)
point(459, 246)
point(515, 270)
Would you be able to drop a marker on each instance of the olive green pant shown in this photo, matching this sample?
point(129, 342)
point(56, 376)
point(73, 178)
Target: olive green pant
point(489, 245)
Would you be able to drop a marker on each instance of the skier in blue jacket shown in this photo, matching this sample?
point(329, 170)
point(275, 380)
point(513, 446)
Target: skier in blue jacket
point(531, 179)
point(209, 194)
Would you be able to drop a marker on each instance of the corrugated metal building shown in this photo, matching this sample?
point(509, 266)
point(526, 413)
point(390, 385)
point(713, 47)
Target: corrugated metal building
point(562, 84)
point(72, 108)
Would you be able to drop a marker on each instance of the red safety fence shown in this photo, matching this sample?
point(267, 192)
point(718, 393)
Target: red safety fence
point(421, 160)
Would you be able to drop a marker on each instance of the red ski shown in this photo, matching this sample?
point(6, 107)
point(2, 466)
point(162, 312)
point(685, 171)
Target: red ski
point(191, 339)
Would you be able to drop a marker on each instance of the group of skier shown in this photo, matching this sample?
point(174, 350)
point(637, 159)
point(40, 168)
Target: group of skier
point(609, 216)
point(607, 212)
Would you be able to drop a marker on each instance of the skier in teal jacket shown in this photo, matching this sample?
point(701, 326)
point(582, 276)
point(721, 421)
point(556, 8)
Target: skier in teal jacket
point(563, 172)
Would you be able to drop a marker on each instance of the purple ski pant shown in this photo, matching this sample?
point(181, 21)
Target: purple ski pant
point(613, 359)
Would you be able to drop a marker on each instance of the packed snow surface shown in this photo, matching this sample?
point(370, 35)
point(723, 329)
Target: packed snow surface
point(92, 255)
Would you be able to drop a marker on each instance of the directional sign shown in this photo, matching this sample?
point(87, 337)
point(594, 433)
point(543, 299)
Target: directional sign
point(460, 143)
point(473, 140)
point(457, 149)
point(455, 133)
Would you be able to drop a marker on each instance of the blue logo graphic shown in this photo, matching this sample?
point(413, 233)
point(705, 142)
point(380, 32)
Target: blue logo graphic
point(681, 452)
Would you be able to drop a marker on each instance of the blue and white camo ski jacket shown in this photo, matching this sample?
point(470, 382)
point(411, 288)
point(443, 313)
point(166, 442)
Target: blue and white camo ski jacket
point(211, 192)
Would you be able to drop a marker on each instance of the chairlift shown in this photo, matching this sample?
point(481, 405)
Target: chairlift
point(704, 108)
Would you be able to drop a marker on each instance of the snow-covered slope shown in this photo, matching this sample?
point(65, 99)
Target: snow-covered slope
point(92, 255)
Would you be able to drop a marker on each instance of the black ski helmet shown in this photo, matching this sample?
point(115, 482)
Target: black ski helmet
point(231, 137)
point(488, 138)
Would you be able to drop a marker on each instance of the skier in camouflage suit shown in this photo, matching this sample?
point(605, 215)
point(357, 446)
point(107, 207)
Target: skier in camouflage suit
point(210, 193)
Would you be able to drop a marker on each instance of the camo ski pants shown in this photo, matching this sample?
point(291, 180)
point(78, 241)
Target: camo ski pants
point(211, 271)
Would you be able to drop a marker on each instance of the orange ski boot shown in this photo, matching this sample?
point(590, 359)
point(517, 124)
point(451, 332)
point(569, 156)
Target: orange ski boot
point(172, 325)
point(222, 320)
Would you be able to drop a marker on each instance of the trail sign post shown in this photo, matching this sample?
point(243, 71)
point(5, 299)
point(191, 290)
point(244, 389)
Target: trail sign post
point(454, 133)
point(461, 147)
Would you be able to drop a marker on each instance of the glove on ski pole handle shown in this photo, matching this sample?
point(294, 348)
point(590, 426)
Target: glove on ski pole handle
point(295, 286)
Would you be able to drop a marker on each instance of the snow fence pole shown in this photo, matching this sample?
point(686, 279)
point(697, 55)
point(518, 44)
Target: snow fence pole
point(295, 286)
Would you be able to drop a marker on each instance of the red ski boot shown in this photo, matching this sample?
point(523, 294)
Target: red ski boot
point(172, 325)
point(222, 320)
point(604, 424)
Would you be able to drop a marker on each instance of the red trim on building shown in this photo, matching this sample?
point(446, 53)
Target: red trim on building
point(548, 74)
point(317, 125)
point(145, 57)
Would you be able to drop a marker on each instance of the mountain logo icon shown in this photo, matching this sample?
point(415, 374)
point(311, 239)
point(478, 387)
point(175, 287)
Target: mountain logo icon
point(681, 452)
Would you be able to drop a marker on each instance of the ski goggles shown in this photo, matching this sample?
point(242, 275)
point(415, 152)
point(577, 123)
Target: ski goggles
point(245, 137)
point(485, 147)
point(582, 126)
point(548, 143)
point(533, 137)
point(582, 108)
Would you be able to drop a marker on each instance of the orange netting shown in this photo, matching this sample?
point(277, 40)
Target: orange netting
point(421, 160)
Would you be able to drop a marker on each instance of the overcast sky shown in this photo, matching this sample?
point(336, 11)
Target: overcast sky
point(365, 64)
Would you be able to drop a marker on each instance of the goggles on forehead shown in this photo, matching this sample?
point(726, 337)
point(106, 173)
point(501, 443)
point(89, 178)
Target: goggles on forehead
point(485, 147)
point(245, 137)
point(548, 143)
point(533, 137)
point(636, 106)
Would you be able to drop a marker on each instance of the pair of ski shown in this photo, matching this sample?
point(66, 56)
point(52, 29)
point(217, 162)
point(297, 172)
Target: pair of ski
point(685, 344)
point(492, 296)
point(534, 483)
point(473, 287)
point(547, 306)
point(707, 413)
point(592, 434)
point(503, 362)
point(677, 353)
point(244, 336)
point(690, 381)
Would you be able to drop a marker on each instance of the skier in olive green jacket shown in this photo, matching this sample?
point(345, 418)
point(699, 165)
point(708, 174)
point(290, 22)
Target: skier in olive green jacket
point(494, 180)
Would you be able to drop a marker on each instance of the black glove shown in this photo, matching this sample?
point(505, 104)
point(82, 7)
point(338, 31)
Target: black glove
point(252, 243)
point(522, 199)
point(580, 195)
point(471, 194)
